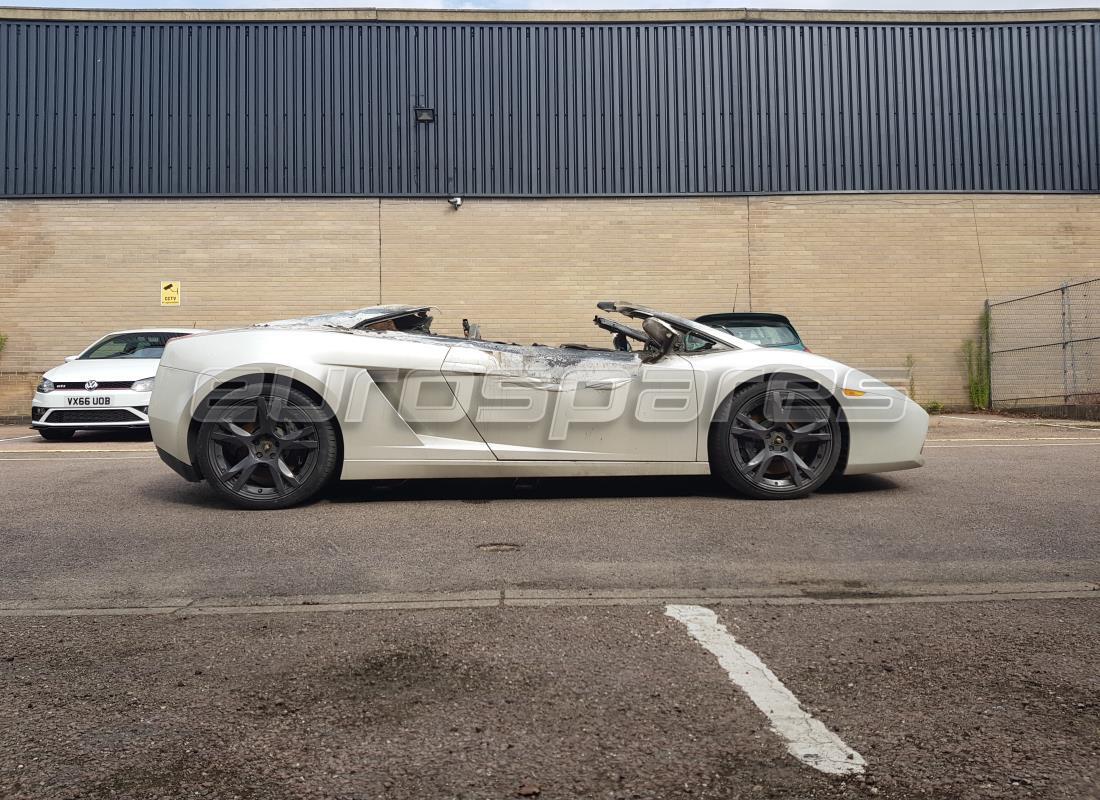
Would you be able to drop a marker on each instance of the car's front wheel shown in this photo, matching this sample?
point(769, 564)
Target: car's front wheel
point(269, 448)
point(775, 440)
point(56, 434)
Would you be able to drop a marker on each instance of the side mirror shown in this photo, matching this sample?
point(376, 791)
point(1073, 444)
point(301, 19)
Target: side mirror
point(70, 358)
point(661, 333)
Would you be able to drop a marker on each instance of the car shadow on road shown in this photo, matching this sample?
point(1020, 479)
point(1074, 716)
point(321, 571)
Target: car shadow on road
point(475, 491)
point(858, 484)
point(484, 490)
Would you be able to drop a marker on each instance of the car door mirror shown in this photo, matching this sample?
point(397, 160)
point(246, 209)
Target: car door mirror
point(660, 333)
point(70, 358)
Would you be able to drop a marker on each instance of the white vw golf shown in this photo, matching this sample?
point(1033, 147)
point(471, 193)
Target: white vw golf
point(106, 386)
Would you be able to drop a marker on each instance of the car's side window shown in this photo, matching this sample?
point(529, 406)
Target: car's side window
point(695, 344)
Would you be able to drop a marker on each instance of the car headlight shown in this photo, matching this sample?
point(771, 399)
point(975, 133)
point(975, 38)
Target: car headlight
point(46, 385)
point(144, 385)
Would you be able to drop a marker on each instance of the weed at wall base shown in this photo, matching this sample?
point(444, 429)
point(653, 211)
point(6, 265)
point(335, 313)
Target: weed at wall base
point(976, 358)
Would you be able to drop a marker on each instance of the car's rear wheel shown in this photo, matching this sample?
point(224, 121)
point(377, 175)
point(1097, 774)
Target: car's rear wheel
point(775, 440)
point(56, 434)
point(271, 447)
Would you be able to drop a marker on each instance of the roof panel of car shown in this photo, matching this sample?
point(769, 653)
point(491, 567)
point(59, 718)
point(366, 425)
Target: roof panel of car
point(743, 316)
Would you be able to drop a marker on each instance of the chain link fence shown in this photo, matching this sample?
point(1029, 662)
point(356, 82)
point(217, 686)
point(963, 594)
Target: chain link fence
point(1044, 348)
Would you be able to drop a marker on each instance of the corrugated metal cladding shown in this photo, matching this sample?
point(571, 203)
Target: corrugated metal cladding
point(117, 109)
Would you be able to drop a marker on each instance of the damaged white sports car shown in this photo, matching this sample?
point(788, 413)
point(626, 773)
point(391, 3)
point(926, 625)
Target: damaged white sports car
point(268, 414)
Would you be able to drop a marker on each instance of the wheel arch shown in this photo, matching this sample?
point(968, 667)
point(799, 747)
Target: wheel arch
point(764, 377)
point(220, 393)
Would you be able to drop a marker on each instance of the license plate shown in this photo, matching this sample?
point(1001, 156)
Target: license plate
point(96, 400)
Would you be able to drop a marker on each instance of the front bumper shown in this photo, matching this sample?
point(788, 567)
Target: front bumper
point(111, 408)
point(885, 438)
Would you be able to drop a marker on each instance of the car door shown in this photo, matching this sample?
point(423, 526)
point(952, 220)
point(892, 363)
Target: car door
point(565, 404)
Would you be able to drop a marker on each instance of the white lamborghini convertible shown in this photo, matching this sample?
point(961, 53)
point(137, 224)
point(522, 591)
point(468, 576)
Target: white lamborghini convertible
point(268, 414)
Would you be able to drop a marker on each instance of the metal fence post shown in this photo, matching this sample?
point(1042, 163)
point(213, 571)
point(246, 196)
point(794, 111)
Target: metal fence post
point(1065, 348)
point(989, 348)
point(1071, 344)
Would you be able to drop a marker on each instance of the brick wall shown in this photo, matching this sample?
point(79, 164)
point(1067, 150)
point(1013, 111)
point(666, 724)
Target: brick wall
point(73, 270)
point(873, 281)
point(868, 279)
point(533, 270)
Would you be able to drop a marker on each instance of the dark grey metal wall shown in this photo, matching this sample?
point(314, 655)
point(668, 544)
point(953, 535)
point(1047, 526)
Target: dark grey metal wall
point(154, 109)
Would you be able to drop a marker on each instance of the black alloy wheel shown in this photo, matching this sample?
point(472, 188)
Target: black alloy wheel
point(776, 440)
point(269, 448)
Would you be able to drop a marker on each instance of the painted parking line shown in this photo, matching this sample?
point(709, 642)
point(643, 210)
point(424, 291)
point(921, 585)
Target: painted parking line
point(1044, 423)
point(1012, 444)
point(81, 450)
point(78, 458)
point(1025, 439)
point(17, 438)
point(807, 738)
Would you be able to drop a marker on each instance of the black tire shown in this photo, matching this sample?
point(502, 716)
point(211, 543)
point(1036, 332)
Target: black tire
point(56, 434)
point(775, 440)
point(267, 446)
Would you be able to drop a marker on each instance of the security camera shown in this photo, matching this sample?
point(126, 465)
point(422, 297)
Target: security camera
point(456, 203)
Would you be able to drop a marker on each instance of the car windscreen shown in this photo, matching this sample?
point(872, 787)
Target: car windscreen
point(130, 345)
point(765, 334)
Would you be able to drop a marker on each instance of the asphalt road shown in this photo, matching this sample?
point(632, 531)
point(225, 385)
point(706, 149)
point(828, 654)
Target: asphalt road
point(975, 700)
point(995, 503)
point(430, 639)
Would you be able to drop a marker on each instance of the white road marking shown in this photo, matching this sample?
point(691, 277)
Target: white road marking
point(1019, 444)
point(17, 438)
point(81, 450)
point(84, 458)
point(1023, 422)
point(808, 739)
point(1027, 439)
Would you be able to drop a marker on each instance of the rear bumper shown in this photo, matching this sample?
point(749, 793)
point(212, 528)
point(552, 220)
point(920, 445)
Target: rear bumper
point(169, 411)
point(183, 469)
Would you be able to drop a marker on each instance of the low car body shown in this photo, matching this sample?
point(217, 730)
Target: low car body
point(760, 328)
point(395, 400)
point(106, 386)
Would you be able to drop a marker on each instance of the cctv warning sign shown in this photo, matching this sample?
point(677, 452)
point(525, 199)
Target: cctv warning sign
point(169, 293)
